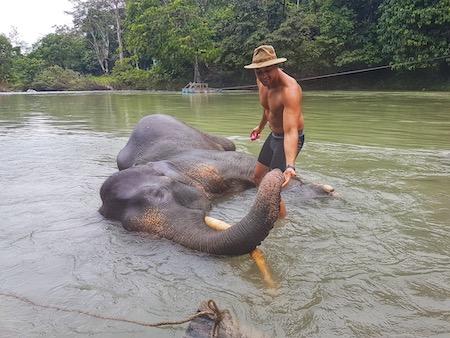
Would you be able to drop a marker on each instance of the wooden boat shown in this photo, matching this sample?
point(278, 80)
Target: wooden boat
point(198, 87)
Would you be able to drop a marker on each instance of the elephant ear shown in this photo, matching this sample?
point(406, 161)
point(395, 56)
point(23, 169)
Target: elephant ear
point(222, 142)
point(189, 197)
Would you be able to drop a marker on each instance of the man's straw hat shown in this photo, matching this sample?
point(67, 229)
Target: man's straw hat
point(264, 56)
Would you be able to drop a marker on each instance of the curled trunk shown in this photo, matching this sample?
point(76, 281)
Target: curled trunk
point(246, 235)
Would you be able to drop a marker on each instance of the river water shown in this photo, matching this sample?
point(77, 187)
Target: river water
point(375, 262)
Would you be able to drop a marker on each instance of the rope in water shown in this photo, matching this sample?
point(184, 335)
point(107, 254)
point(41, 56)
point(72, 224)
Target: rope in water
point(213, 312)
point(347, 72)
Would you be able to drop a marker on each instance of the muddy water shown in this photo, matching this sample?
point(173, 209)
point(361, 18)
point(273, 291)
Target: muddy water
point(375, 262)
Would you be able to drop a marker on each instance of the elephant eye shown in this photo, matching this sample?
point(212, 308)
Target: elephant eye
point(186, 195)
point(150, 195)
point(159, 194)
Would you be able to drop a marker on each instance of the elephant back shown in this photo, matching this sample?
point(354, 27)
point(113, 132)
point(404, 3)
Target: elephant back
point(159, 137)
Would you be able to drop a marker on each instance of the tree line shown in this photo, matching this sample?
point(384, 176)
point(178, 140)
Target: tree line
point(149, 44)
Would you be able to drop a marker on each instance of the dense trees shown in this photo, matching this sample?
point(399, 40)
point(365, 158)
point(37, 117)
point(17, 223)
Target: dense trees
point(173, 35)
point(67, 49)
point(157, 43)
point(411, 30)
point(95, 20)
point(7, 54)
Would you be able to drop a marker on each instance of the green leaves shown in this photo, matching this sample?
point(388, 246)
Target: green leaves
point(412, 30)
point(173, 34)
point(66, 49)
point(164, 38)
point(7, 54)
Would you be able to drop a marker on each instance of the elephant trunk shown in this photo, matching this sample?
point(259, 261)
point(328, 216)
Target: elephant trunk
point(246, 235)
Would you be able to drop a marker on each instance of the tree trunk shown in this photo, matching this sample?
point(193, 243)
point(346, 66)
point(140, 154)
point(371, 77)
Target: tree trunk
point(118, 30)
point(196, 71)
point(98, 53)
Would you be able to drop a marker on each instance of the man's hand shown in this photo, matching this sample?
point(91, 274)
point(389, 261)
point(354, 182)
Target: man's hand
point(288, 173)
point(256, 133)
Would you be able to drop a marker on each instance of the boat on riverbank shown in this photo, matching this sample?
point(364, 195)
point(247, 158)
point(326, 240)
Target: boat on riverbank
point(198, 87)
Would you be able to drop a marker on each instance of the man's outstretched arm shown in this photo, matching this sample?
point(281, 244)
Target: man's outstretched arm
point(291, 115)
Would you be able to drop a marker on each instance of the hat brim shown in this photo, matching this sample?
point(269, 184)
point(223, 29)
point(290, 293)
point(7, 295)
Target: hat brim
point(265, 63)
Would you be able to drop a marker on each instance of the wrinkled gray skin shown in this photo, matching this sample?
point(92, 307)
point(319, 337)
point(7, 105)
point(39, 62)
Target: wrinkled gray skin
point(169, 175)
point(160, 137)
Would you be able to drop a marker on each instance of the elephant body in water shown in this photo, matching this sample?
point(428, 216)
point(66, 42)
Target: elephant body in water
point(169, 175)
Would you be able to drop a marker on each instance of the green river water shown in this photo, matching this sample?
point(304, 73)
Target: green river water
point(373, 263)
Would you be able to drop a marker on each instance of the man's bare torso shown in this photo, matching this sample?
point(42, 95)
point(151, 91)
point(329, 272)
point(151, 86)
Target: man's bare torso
point(273, 101)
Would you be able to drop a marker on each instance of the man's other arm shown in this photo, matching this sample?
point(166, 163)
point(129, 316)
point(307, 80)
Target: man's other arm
point(292, 111)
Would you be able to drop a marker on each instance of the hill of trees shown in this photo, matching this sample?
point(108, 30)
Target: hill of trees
point(155, 44)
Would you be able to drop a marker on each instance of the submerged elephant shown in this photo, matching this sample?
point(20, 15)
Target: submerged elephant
point(170, 173)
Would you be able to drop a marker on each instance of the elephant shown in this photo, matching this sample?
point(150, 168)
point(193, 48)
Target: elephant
point(160, 137)
point(169, 176)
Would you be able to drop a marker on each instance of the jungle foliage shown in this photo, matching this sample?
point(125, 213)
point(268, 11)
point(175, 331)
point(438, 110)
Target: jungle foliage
point(145, 44)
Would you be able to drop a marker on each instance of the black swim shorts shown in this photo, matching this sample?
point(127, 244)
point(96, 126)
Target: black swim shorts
point(272, 152)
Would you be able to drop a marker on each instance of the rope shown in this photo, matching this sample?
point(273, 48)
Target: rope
point(213, 313)
point(218, 316)
point(347, 72)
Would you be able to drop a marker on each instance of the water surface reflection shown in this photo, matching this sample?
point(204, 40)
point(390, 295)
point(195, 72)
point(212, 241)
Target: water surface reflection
point(374, 263)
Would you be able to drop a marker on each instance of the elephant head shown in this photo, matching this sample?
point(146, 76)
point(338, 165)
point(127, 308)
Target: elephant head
point(158, 199)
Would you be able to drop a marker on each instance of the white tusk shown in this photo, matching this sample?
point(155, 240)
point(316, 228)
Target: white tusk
point(257, 255)
point(327, 188)
point(216, 224)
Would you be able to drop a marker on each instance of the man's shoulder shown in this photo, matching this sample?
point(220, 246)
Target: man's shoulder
point(291, 83)
point(292, 88)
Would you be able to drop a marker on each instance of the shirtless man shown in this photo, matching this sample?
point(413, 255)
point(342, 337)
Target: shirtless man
point(281, 97)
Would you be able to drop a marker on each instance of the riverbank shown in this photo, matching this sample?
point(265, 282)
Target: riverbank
point(58, 79)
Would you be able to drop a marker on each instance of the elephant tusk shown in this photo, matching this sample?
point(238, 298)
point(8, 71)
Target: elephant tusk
point(327, 188)
point(257, 255)
point(216, 224)
point(330, 190)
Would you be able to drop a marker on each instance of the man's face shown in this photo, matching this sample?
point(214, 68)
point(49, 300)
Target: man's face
point(266, 75)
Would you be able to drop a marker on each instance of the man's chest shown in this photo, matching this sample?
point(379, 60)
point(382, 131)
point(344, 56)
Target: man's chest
point(273, 101)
